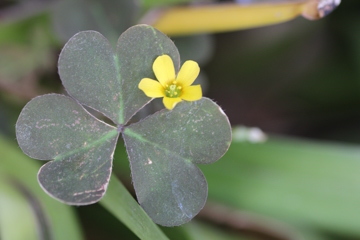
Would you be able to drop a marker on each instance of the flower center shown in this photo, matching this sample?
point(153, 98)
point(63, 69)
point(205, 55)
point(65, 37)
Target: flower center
point(173, 90)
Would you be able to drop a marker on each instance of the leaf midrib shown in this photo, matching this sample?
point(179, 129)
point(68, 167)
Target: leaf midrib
point(132, 133)
point(98, 141)
point(121, 117)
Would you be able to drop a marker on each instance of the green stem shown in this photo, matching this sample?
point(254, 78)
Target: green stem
point(123, 206)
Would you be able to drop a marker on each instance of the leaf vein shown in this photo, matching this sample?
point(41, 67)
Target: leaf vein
point(108, 135)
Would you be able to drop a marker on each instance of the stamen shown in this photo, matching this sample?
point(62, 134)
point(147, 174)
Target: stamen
point(173, 90)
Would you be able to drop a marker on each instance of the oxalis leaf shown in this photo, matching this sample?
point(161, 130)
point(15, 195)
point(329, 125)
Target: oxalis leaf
point(107, 81)
point(56, 127)
point(163, 148)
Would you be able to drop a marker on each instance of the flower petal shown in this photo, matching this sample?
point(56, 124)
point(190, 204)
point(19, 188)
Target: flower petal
point(170, 103)
point(151, 88)
point(188, 73)
point(191, 93)
point(164, 70)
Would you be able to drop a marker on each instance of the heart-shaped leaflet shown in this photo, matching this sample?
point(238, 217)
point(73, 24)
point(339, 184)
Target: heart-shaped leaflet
point(168, 184)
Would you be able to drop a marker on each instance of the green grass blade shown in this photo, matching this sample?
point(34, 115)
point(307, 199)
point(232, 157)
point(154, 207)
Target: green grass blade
point(302, 182)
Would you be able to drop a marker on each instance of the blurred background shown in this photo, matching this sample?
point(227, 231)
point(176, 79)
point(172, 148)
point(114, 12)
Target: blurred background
point(298, 81)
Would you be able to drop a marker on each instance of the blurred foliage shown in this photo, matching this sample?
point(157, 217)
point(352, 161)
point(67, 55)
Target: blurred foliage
point(309, 184)
point(26, 48)
point(299, 78)
point(108, 17)
point(23, 204)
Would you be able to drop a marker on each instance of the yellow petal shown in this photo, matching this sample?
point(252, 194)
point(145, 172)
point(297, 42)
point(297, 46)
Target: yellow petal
point(151, 88)
point(188, 73)
point(191, 93)
point(170, 103)
point(164, 70)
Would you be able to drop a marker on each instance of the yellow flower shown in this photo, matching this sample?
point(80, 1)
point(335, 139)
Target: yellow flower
point(172, 88)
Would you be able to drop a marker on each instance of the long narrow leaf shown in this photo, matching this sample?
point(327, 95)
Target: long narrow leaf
point(311, 183)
